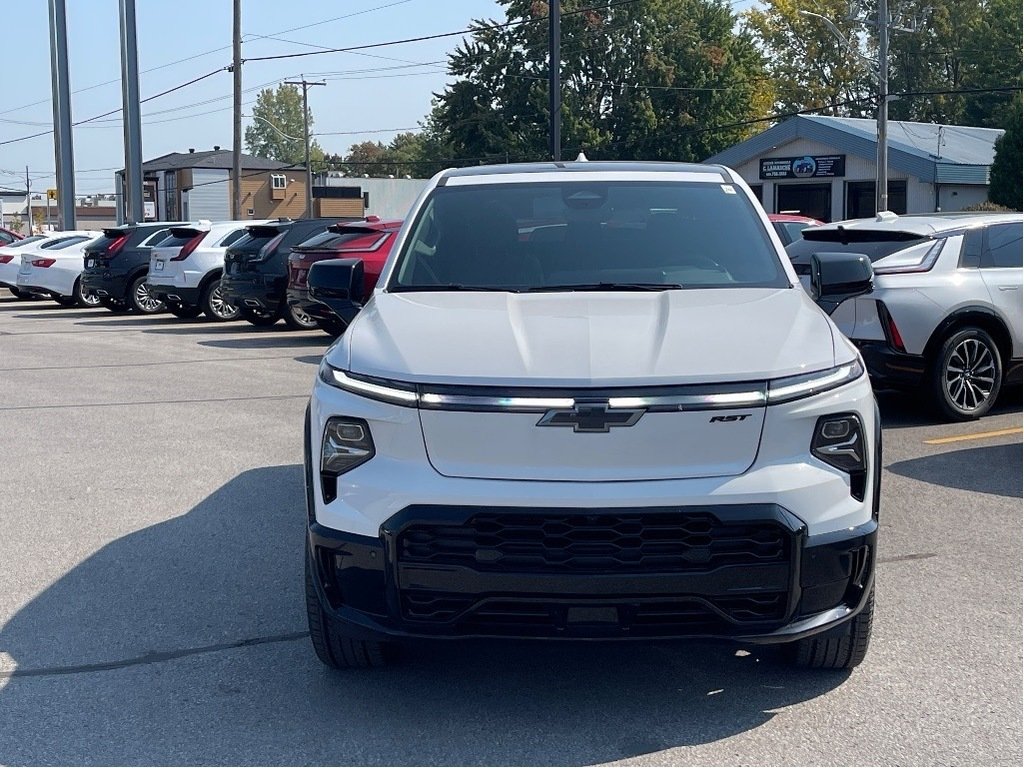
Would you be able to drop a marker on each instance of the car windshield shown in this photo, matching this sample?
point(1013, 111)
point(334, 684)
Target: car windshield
point(587, 235)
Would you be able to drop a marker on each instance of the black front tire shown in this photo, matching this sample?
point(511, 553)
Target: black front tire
point(966, 375)
point(829, 651)
point(332, 646)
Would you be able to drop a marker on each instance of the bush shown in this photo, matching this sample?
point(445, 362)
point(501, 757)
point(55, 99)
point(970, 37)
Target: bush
point(988, 206)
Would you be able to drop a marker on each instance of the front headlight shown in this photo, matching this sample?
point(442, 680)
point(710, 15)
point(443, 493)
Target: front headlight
point(346, 445)
point(839, 442)
point(806, 384)
point(375, 389)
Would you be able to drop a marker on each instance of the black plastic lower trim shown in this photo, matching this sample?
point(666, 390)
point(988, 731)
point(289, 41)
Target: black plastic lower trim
point(890, 368)
point(364, 588)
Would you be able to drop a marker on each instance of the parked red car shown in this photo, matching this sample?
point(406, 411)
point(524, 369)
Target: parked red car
point(7, 237)
point(789, 227)
point(369, 240)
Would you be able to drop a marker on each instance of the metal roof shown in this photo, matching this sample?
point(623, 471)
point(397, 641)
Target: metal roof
point(946, 154)
point(219, 159)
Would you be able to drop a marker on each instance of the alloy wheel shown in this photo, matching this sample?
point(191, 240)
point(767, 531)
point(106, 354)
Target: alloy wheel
point(145, 300)
point(970, 374)
point(221, 307)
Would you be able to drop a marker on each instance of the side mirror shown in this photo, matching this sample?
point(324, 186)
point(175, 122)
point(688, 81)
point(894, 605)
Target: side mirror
point(836, 277)
point(338, 284)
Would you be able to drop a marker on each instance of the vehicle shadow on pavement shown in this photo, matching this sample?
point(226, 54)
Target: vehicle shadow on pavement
point(268, 342)
point(185, 643)
point(75, 314)
point(992, 469)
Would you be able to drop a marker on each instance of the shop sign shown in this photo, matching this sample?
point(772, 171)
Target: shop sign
point(805, 167)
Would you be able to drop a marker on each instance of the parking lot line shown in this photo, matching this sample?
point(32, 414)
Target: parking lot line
point(973, 436)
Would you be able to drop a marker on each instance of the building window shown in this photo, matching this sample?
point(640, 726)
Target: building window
point(278, 181)
point(860, 198)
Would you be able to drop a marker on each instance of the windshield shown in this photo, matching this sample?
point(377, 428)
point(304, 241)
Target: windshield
point(550, 236)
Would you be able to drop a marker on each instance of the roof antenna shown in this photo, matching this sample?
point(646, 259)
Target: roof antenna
point(581, 158)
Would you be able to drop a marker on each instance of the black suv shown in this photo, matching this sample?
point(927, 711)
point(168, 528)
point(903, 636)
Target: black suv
point(256, 271)
point(116, 266)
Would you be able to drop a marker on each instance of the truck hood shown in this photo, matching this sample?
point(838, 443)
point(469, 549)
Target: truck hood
point(586, 339)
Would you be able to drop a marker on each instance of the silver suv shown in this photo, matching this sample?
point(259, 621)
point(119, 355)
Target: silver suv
point(945, 312)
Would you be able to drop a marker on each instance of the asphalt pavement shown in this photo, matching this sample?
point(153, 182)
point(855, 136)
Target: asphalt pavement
point(151, 612)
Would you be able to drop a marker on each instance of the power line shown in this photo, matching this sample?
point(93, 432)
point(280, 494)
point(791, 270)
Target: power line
point(178, 87)
point(423, 38)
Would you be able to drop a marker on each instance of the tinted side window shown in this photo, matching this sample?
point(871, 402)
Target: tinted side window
point(1003, 246)
point(970, 255)
point(154, 239)
point(67, 243)
point(232, 238)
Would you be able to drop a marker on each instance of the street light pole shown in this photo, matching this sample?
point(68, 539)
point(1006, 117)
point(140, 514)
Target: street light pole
point(882, 172)
point(236, 104)
point(554, 77)
point(305, 133)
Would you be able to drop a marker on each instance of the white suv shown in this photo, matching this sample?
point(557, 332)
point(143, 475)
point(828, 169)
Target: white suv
point(185, 268)
point(944, 315)
point(590, 400)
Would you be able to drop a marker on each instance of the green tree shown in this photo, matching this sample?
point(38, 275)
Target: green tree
point(38, 217)
point(277, 128)
point(403, 156)
point(651, 80)
point(996, 64)
point(960, 46)
point(14, 223)
point(1006, 179)
point(810, 67)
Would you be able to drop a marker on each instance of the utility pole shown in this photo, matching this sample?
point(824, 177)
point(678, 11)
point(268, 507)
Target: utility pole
point(554, 77)
point(28, 201)
point(63, 142)
point(882, 172)
point(236, 145)
point(305, 132)
point(880, 72)
point(131, 114)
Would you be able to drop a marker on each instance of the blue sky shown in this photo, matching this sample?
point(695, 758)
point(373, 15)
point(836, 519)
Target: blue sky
point(356, 104)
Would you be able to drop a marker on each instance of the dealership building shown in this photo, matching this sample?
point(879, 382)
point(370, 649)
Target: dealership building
point(824, 167)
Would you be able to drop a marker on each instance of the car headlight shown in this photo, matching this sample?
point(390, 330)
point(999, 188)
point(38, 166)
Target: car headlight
point(806, 384)
point(346, 445)
point(839, 442)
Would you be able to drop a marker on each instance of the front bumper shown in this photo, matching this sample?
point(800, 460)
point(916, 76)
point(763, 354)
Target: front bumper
point(253, 291)
point(380, 588)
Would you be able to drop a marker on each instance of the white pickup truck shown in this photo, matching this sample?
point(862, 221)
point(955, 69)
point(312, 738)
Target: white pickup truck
point(591, 400)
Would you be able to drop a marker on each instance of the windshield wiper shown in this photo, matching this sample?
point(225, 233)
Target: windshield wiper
point(444, 287)
point(605, 287)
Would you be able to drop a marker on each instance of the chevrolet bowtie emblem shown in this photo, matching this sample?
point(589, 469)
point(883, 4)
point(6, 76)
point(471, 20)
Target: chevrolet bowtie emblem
point(597, 417)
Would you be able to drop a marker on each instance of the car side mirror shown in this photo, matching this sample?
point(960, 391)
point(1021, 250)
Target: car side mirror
point(836, 277)
point(338, 284)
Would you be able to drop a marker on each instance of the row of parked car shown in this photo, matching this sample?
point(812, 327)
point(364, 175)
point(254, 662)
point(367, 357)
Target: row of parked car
point(250, 270)
point(944, 315)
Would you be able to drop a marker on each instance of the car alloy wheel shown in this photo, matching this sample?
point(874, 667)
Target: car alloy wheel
point(143, 299)
point(298, 320)
point(970, 374)
point(220, 307)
